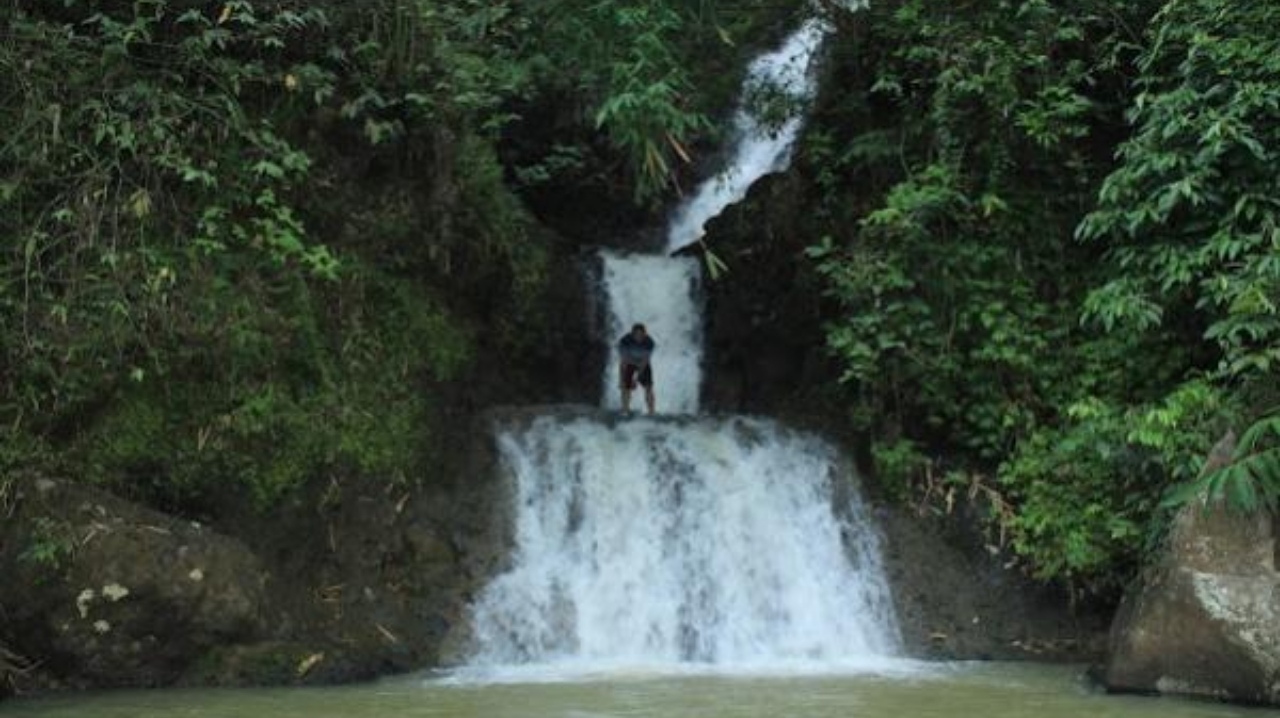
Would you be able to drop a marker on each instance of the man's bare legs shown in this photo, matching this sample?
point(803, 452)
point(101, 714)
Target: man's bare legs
point(626, 387)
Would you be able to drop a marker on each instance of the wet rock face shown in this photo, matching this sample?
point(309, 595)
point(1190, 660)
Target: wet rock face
point(1205, 621)
point(118, 594)
point(766, 349)
point(957, 600)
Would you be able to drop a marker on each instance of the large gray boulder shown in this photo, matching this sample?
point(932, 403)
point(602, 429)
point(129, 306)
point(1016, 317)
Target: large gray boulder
point(103, 592)
point(1205, 620)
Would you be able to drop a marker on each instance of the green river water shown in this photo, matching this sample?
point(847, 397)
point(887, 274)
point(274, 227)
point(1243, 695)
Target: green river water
point(956, 690)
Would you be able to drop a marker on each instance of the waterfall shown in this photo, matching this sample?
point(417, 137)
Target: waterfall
point(664, 293)
point(685, 540)
point(782, 77)
point(665, 541)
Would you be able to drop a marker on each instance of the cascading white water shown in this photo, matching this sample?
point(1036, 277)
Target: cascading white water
point(663, 293)
point(666, 542)
point(684, 541)
point(760, 148)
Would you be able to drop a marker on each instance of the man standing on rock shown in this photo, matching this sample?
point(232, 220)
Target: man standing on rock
point(634, 349)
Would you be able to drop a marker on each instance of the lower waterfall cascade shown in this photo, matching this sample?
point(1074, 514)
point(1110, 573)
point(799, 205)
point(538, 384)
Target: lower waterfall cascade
point(666, 541)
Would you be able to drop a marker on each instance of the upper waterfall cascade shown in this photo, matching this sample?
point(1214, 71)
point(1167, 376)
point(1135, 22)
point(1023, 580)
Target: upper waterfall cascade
point(680, 540)
point(664, 292)
point(760, 146)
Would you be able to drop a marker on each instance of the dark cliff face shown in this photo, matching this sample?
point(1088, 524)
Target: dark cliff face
point(958, 599)
point(766, 351)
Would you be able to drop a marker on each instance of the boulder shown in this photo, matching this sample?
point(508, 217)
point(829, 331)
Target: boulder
point(346, 579)
point(1205, 619)
point(103, 592)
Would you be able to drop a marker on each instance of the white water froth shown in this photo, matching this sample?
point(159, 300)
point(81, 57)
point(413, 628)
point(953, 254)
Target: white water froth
point(652, 544)
point(581, 671)
point(759, 148)
point(663, 294)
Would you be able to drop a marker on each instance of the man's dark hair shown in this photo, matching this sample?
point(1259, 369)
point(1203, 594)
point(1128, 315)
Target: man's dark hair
point(638, 328)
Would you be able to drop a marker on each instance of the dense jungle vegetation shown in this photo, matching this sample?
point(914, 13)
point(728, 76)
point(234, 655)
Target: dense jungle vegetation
point(1052, 231)
point(251, 244)
point(244, 243)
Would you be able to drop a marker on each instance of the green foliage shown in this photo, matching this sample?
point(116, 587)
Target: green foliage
point(645, 77)
point(1249, 480)
point(1075, 380)
point(952, 284)
point(328, 412)
point(898, 464)
point(226, 231)
point(115, 149)
point(50, 545)
point(242, 244)
point(1190, 216)
point(625, 60)
point(420, 65)
point(644, 113)
point(953, 337)
point(1087, 490)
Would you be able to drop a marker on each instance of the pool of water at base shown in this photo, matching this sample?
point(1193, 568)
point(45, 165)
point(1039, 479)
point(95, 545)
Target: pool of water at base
point(910, 690)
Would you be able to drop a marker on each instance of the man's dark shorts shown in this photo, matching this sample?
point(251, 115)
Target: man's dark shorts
point(630, 372)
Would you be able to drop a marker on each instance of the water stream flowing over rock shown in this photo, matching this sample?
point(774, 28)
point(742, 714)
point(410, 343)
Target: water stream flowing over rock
point(681, 540)
point(731, 541)
point(664, 293)
point(763, 141)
